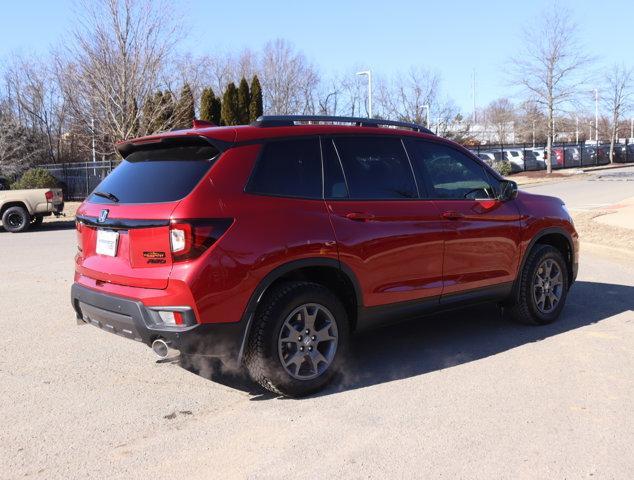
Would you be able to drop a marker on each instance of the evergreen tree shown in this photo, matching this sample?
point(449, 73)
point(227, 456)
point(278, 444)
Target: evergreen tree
point(149, 107)
point(206, 101)
point(244, 99)
point(230, 112)
point(216, 111)
point(184, 112)
point(210, 107)
point(255, 106)
point(165, 115)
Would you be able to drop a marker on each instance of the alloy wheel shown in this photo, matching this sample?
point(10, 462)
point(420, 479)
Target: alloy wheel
point(548, 286)
point(307, 341)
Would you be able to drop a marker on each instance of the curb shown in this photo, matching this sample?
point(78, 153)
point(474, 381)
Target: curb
point(607, 167)
point(622, 252)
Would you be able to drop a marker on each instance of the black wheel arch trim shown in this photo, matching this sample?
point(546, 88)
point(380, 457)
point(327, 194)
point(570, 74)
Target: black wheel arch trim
point(541, 234)
point(279, 272)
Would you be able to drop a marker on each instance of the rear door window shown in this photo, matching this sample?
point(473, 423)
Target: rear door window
point(288, 168)
point(376, 168)
point(157, 174)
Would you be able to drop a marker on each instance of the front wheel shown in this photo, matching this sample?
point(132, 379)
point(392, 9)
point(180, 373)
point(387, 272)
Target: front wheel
point(543, 287)
point(16, 219)
point(298, 340)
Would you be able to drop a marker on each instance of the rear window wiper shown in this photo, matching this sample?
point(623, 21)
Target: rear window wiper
point(108, 195)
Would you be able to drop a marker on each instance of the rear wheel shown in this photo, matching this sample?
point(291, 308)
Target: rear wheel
point(16, 219)
point(543, 287)
point(298, 339)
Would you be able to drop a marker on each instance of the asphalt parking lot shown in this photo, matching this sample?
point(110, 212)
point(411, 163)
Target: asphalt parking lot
point(461, 395)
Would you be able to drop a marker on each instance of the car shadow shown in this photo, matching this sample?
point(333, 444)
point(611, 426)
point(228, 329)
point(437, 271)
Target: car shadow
point(49, 226)
point(436, 342)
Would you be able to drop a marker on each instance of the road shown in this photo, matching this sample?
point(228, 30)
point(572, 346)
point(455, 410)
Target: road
point(597, 189)
point(462, 395)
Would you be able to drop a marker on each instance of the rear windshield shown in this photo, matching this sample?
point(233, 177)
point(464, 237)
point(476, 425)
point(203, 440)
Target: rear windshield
point(156, 175)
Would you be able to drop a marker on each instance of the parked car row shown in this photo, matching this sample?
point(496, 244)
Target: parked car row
point(522, 159)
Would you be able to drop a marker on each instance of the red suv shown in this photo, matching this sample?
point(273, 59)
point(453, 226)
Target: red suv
point(268, 245)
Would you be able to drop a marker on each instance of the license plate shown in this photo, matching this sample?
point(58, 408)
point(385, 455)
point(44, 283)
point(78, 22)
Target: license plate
point(107, 242)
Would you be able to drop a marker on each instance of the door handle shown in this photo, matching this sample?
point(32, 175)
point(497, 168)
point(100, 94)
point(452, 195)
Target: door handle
point(451, 215)
point(359, 216)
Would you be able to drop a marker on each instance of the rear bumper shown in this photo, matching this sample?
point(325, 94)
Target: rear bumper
point(131, 319)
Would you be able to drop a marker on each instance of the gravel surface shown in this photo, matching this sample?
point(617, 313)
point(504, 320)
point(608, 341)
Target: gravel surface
point(590, 230)
point(462, 395)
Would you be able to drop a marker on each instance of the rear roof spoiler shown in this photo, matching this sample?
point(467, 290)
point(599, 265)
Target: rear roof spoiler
point(127, 147)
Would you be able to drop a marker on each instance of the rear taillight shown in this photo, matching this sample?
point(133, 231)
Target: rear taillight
point(79, 226)
point(190, 238)
point(49, 196)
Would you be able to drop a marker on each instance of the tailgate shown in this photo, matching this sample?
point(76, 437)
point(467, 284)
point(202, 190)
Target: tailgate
point(58, 197)
point(123, 227)
point(126, 251)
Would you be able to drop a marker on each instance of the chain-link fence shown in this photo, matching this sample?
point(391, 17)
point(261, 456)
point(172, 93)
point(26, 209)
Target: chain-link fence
point(79, 179)
point(528, 157)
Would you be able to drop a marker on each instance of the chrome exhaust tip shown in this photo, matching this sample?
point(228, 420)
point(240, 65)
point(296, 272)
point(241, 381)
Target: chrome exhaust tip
point(160, 348)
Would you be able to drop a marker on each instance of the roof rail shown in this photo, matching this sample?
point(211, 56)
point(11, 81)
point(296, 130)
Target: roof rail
point(289, 120)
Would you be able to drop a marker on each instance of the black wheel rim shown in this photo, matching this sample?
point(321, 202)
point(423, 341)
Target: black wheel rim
point(14, 220)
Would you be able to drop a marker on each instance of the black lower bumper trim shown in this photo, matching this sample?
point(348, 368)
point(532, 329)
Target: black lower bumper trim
point(131, 319)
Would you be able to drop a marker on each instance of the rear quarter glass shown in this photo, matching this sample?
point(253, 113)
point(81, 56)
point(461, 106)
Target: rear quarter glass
point(157, 175)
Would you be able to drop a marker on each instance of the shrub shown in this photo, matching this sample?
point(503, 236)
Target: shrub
point(35, 178)
point(503, 167)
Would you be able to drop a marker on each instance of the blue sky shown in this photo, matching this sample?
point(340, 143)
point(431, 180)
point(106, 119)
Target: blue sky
point(451, 37)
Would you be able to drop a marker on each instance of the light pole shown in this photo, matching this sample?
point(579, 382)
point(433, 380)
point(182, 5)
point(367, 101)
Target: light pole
point(92, 129)
point(369, 74)
point(632, 128)
point(577, 131)
point(426, 107)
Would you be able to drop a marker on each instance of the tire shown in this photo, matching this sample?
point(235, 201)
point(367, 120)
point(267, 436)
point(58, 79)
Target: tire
point(297, 306)
point(536, 305)
point(37, 221)
point(16, 219)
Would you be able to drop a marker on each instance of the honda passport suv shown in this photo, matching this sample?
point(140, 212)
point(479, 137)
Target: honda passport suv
point(269, 245)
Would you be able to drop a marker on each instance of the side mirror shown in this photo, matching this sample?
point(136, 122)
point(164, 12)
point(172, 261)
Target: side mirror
point(508, 190)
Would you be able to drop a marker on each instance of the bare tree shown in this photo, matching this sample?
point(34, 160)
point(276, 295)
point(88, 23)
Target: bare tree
point(19, 146)
point(288, 79)
point(38, 102)
point(549, 67)
point(408, 96)
point(115, 64)
point(500, 116)
point(618, 97)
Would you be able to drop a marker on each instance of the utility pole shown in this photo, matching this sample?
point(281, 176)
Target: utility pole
point(533, 133)
point(369, 74)
point(596, 115)
point(632, 127)
point(577, 131)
